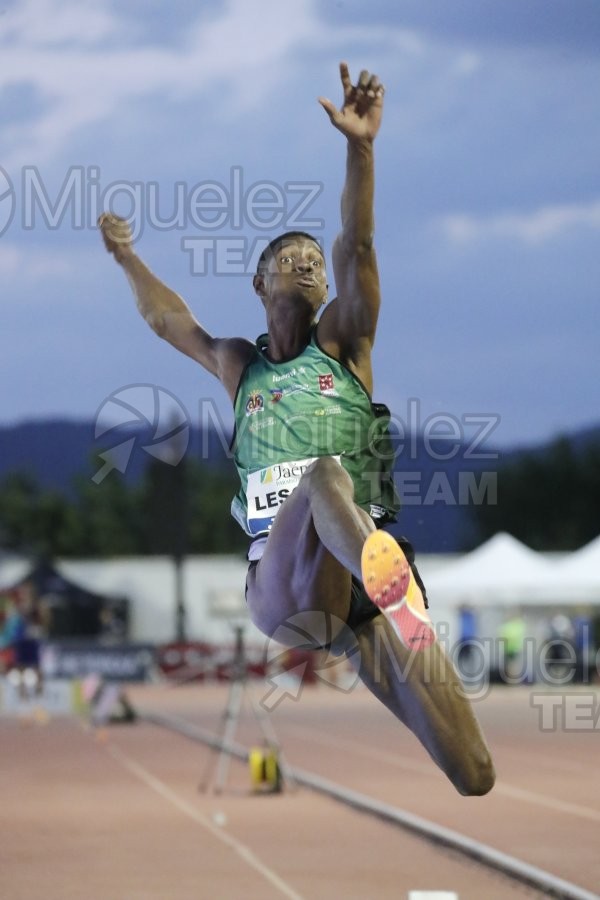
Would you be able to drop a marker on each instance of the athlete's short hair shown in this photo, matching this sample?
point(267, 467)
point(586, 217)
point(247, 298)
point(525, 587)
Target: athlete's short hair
point(273, 245)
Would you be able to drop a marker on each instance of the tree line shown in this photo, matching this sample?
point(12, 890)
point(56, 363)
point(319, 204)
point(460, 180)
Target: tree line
point(548, 499)
point(173, 510)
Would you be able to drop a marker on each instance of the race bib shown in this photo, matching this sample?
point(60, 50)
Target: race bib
point(268, 488)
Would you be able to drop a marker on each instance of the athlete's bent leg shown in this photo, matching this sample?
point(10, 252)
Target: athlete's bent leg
point(314, 545)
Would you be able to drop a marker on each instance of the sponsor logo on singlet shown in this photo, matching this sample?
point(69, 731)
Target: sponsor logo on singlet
point(255, 403)
point(326, 385)
point(279, 393)
point(328, 411)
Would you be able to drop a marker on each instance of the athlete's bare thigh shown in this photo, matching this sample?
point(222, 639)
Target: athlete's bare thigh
point(296, 573)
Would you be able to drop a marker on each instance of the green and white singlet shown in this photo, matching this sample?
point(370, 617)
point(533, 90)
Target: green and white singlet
point(287, 415)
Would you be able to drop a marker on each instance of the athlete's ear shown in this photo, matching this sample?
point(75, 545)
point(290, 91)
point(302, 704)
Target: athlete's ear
point(258, 283)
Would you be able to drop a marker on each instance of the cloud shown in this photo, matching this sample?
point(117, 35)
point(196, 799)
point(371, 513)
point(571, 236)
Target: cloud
point(534, 227)
point(467, 63)
point(527, 24)
point(83, 75)
point(49, 23)
point(32, 266)
point(82, 65)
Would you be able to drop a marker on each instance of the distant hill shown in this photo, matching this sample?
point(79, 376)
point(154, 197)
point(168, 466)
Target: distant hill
point(439, 482)
point(56, 452)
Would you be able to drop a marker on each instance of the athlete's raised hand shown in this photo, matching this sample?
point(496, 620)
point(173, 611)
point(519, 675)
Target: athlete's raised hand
point(360, 115)
point(116, 235)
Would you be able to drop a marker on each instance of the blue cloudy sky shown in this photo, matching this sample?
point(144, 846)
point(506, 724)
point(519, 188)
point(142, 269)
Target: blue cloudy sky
point(487, 206)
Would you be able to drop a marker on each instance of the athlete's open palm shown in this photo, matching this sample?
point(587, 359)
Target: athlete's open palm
point(360, 115)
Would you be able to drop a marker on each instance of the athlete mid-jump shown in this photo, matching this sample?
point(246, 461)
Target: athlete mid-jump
point(310, 449)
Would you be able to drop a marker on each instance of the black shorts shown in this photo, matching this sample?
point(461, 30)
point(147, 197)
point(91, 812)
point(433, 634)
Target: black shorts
point(362, 608)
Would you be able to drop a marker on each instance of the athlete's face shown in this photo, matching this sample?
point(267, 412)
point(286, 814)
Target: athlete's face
point(296, 268)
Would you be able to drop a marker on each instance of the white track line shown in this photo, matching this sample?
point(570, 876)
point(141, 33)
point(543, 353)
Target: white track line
point(167, 794)
point(501, 787)
point(410, 765)
point(483, 853)
point(574, 809)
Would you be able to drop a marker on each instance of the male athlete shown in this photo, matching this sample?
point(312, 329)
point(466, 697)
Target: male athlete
point(311, 452)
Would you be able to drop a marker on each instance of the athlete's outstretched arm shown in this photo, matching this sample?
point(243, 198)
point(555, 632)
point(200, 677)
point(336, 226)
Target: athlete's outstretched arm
point(168, 314)
point(354, 314)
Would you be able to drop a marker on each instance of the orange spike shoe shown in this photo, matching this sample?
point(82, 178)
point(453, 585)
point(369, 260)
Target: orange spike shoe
point(391, 585)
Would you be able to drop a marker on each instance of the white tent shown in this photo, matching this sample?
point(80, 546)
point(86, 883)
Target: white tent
point(498, 575)
point(578, 575)
point(212, 587)
point(213, 593)
point(500, 571)
point(13, 569)
point(504, 577)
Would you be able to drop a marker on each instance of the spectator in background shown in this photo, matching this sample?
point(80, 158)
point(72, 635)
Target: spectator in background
point(23, 631)
point(584, 647)
point(512, 641)
point(12, 633)
point(468, 639)
point(559, 651)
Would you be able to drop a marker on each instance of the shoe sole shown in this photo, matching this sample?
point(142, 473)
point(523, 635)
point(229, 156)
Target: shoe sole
point(390, 584)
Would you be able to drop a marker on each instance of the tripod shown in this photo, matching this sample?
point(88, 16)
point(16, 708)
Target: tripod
point(237, 692)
